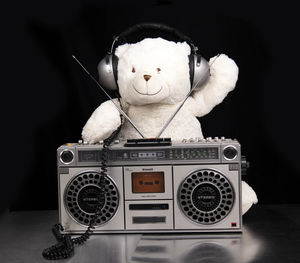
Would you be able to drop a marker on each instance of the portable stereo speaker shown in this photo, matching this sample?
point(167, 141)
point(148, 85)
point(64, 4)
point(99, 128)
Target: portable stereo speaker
point(184, 187)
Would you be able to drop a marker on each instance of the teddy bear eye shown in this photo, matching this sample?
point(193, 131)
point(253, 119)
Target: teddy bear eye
point(133, 70)
point(158, 70)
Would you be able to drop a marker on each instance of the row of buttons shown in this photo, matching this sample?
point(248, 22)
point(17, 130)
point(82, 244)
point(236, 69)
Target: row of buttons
point(146, 154)
point(208, 139)
point(100, 142)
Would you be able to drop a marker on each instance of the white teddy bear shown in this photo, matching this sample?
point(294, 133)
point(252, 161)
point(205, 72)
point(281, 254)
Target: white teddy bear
point(153, 80)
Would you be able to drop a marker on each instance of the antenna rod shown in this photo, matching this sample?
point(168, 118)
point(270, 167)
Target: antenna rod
point(98, 84)
point(180, 106)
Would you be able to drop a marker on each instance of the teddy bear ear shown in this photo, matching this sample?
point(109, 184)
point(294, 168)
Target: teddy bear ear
point(120, 50)
point(184, 48)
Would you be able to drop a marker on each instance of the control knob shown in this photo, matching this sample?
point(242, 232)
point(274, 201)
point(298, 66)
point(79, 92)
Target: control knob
point(66, 156)
point(230, 152)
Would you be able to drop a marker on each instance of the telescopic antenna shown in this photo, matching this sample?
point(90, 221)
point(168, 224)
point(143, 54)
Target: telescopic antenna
point(98, 84)
point(180, 106)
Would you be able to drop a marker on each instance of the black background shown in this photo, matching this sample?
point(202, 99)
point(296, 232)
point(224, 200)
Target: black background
point(46, 98)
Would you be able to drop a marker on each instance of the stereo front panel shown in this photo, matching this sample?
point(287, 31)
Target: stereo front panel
point(183, 198)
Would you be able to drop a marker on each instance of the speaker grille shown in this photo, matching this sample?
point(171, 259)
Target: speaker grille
point(206, 196)
point(83, 194)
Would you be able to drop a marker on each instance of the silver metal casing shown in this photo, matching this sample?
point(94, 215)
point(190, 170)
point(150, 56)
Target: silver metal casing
point(201, 189)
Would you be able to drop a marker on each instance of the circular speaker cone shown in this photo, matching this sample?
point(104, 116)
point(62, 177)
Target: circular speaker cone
point(90, 191)
point(206, 196)
point(90, 197)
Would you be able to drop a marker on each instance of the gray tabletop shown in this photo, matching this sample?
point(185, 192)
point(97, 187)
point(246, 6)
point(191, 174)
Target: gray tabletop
point(270, 234)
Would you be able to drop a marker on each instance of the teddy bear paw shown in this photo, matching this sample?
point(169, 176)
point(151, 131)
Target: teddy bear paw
point(248, 197)
point(103, 122)
point(222, 65)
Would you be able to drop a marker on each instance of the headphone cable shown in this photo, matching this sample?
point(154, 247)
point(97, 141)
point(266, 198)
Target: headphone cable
point(64, 248)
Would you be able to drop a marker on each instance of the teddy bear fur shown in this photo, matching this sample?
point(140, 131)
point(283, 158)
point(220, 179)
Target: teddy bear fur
point(153, 80)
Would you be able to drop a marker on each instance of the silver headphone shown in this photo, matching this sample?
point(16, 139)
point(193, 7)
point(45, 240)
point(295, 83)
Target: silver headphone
point(108, 66)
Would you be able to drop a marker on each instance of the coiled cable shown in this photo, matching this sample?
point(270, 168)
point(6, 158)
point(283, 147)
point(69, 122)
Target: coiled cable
point(65, 244)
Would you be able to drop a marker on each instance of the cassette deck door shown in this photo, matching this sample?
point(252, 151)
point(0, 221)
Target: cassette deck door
point(148, 182)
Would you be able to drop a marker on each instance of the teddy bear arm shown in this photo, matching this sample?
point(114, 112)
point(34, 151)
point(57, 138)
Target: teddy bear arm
point(205, 100)
point(224, 75)
point(103, 122)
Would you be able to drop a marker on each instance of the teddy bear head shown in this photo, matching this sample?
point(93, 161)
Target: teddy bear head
point(153, 71)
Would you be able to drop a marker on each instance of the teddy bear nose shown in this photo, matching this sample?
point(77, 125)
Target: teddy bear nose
point(147, 77)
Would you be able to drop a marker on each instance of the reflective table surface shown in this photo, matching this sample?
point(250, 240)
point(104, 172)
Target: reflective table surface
point(270, 234)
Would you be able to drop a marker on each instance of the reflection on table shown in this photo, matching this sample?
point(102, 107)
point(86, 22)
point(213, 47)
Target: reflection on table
point(235, 248)
point(177, 248)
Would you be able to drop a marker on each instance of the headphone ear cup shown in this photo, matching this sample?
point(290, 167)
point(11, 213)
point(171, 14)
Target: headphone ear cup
point(200, 69)
point(107, 73)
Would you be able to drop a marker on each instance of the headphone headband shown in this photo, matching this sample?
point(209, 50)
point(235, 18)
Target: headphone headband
point(157, 27)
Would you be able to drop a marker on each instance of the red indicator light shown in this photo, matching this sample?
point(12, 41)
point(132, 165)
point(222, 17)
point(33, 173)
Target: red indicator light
point(233, 224)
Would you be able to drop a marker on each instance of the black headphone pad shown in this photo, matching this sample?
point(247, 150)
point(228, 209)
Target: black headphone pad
point(192, 68)
point(115, 61)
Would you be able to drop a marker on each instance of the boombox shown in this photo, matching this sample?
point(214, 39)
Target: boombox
point(189, 186)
